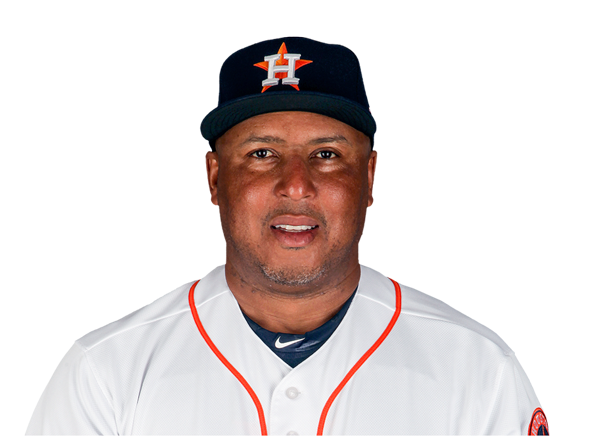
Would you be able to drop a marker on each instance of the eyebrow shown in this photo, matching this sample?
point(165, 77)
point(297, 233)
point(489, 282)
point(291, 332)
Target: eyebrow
point(329, 139)
point(262, 139)
point(277, 140)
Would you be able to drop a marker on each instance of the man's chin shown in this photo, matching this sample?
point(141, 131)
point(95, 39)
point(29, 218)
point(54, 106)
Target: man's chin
point(294, 277)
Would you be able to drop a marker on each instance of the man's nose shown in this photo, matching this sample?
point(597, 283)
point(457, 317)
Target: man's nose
point(295, 180)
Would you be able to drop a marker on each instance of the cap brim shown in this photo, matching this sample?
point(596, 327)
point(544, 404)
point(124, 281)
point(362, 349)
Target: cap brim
point(223, 118)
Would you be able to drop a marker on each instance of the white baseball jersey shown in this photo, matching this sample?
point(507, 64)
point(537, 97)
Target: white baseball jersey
point(400, 362)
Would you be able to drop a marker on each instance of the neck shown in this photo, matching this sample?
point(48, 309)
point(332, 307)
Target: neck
point(291, 309)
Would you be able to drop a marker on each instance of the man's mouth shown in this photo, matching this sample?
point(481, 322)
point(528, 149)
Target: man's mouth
point(291, 236)
point(290, 228)
point(294, 231)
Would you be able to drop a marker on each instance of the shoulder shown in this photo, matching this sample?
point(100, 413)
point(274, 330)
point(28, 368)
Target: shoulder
point(156, 316)
point(420, 305)
point(160, 338)
point(106, 370)
point(444, 354)
point(430, 313)
point(167, 320)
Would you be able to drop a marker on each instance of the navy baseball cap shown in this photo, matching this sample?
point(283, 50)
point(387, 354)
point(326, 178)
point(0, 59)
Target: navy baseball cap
point(290, 74)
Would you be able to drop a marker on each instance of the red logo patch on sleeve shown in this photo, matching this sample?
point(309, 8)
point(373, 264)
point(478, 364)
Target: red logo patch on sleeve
point(538, 424)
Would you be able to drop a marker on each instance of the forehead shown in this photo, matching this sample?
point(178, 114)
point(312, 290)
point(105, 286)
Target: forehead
point(293, 126)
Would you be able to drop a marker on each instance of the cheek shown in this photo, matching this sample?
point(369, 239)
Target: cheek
point(345, 200)
point(244, 200)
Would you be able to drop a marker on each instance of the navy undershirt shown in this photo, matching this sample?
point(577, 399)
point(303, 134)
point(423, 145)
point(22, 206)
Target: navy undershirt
point(303, 346)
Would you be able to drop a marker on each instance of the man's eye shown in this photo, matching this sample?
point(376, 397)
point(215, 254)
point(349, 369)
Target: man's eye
point(326, 154)
point(261, 154)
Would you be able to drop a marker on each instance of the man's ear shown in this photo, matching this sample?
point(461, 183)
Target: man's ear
point(212, 171)
point(371, 175)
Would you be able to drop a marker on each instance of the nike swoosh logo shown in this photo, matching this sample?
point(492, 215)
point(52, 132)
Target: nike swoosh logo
point(279, 344)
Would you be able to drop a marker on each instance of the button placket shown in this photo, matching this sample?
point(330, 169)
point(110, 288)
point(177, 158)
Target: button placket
point(289, 408)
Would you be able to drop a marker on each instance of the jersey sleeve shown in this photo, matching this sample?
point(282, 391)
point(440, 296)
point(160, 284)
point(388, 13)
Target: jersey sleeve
point(516, 405)
point(74, 402)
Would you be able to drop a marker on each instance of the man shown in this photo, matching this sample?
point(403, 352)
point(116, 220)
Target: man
point(292, 335)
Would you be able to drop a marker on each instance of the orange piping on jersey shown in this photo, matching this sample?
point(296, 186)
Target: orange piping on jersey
point(362, 359)
point(261, 416)
point(224, 361)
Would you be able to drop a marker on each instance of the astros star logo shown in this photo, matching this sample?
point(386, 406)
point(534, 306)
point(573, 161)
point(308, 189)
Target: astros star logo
point(282, 65)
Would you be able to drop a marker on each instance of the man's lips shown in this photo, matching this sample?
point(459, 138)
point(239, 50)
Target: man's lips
point(294, 221)
point(294, 238)
point(294, 230)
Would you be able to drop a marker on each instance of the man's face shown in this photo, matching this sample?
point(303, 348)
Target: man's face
point(292, 190)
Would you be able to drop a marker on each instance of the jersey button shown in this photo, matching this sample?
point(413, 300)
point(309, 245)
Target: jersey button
point(292, 393)
point(292, 433)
